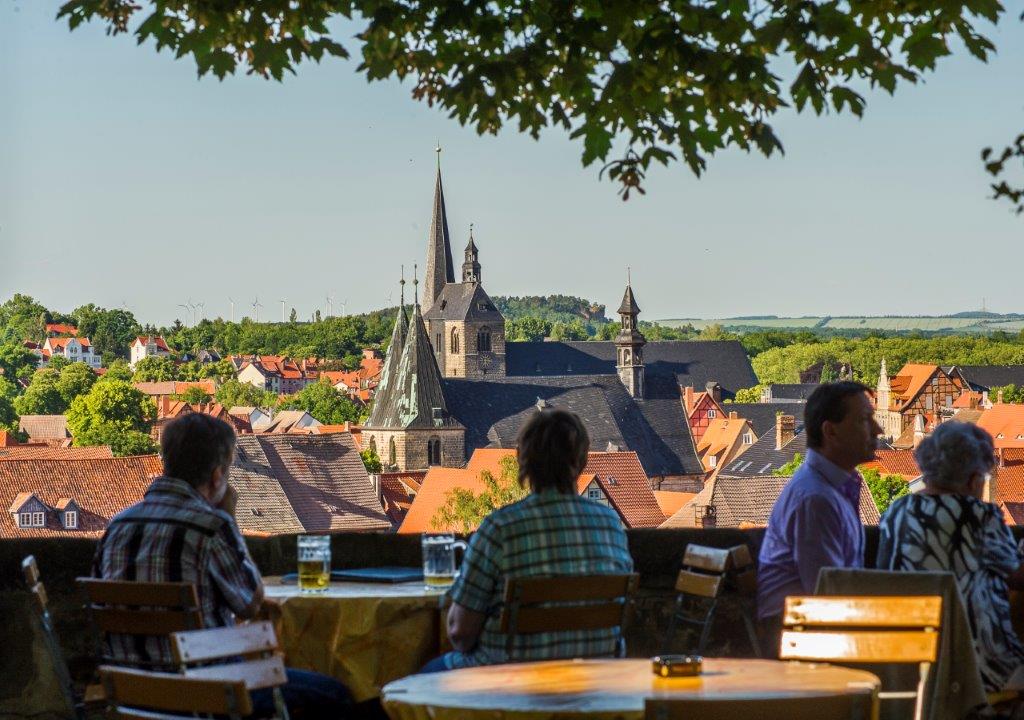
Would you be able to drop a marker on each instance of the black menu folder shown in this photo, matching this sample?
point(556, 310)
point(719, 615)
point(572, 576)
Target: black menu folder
point(390, 574)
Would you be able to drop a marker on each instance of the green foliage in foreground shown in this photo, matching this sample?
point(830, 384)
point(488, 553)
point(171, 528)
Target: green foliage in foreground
point(661, 82)
point(464, 510)
point(371, 461)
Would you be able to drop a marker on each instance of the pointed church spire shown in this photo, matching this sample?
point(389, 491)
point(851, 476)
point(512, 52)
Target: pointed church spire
point(385, 388)
point(471, 267)
point(629, 345)
point(440, 270)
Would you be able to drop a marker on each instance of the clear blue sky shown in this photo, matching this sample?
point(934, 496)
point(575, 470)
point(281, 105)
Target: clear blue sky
point(125, 179)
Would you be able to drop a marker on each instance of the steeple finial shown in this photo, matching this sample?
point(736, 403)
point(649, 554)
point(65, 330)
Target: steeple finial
point(437, 149)
point(402, 284)
point(415, 287)
point(629, 275)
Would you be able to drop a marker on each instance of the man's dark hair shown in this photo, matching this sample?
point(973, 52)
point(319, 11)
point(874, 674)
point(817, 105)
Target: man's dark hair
point(195, 445)
point(552, 451)
point(828, 403)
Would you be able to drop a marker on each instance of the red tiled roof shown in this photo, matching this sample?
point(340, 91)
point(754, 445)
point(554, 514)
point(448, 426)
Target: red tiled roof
point(1005, 423)
point(968, 400)
point(61, 329)
point(160, 343)
point(100, 487)
point(624, 481)
point(44, 427)
point(174, 387)
point(1009, 475)
point(670, 501)
point(895, 462)
point(1013, 512)
point(398, 490)
point(47, 452)
point(59, 343)
point(910, 380)
point(7, 440)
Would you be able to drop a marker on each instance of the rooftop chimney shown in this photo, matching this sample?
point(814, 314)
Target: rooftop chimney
point(999, 396)
point(733, 415)
point(785, 430)
point(688, 399)
point(1000, 457)
point(714, 390)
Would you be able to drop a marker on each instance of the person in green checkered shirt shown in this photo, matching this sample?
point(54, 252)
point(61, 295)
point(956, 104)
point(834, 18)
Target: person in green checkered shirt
point(552, 531)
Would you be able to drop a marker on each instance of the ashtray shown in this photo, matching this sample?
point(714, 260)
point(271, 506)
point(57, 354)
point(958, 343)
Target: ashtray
point(677, 665)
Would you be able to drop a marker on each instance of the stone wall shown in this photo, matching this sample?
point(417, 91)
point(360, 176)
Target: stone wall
point(27, 687)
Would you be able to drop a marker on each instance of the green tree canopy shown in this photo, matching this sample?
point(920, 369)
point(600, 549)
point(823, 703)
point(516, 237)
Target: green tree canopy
point(42, 397)
point(647, 82)
point(193, 395)
point(16, 361)
point(8, 415)
point(112, 413)
point(155, 368)
point(22, 318)
point(791, 467)
point(749, 395)
point(464, 510)
point(371, 461)
point(884, 488)
point(324, 403)
point(74, 380)
point(118, 370)
point(234, 393)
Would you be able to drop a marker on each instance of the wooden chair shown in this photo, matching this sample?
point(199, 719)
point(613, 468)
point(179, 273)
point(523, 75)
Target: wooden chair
point(855, 629)
point(146, 609)
point(41, 607)
point(841, 707)
point(563, 603)
point(202, 654)
point(706, 574)
point(147, 695)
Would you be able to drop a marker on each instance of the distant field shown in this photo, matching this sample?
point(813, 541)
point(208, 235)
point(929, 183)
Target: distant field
point(890, 324)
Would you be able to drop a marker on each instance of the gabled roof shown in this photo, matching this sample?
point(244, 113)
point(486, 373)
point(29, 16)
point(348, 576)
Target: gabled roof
point(389, 374)
point(285, 421)
point(762, 458)
point(304, 483)
point(61, 329)
point(625, 483)
point(60, 343)
point(721, 436)
point(984, 377)
point(895, 462)
point(158, 340)
point(1005, 423)
point(398, 490)
point(47, 452)
point(1013, 512)
point(415, 398)
point(911, 380)
point(44, 427)
point(464, 301)
point(670, 501)
point(174, 387)
point(762, 415)
point(101, 488)
point(669, 364)
point(792, 391)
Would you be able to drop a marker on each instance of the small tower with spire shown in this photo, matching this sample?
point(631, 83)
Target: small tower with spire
point(629, 344)
point(471, 267)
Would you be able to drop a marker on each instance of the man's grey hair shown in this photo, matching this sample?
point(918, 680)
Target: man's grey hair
point(953, 452)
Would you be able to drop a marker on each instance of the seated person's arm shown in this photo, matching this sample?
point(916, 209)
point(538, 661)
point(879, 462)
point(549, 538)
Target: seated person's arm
point(235, 574)
point(817, 539)
point(464, 627)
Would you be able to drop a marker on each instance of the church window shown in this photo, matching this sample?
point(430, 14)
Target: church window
point(373, 446)
point(392, 452)
point(437, 344)
point(483, 340)
point(434, 451)
point(454, 344)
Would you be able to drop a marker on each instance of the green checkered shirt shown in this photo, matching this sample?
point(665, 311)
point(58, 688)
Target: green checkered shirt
point(546, 533)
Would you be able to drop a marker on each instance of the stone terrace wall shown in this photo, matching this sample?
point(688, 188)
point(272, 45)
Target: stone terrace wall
point(27, 686)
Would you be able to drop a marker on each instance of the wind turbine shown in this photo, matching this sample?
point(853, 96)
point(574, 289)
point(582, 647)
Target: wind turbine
point(344, 304)
point(232, 308)
point(184, 305)
point(201, 307)
point(330, 304)
point(256, 306)
point(282, 309)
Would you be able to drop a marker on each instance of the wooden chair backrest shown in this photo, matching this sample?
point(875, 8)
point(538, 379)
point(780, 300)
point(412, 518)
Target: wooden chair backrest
point(197, 647)
point(132, 691)
point(692, 583)
point(40, 601)
point(142, 608)
point(880, 629)
point(708, 559)
point(587, 602)
point(841, 707)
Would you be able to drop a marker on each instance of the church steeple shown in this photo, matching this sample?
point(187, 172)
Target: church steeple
point(471, 267)
point(399, 334)
point(628, 346)
point(440, 270)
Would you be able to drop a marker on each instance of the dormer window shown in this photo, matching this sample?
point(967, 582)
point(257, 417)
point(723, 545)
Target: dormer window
point(748, 438)
point(25, 520)
point(70, 519)
point(38, 519)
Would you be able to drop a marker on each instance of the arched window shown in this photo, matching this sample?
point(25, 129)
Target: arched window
point(373, 446)
point(434, 451)
point(392, 453)
point(483, 340)
point(454, 344)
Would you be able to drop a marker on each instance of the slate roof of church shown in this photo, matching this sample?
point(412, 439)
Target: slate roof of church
point(793, 391)
point(417, 388)
point(464, 301)
point(654, 428)
point(385, 389)
point(989, 376)
point(668, 364)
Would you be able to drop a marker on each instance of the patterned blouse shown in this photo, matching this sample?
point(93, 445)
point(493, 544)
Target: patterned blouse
point(967, 537)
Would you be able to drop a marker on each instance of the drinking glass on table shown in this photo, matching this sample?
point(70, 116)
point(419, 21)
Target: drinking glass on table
point(439, 560)
point(314, 563)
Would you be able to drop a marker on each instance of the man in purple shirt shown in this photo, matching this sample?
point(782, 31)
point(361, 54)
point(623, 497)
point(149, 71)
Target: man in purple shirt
point(815, 523)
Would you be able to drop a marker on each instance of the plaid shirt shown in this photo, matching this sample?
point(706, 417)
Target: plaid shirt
point(546, 533)
point(174, 535)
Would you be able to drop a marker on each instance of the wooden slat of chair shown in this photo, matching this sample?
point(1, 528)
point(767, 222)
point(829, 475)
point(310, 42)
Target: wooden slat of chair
point(140, 594)
point(215, 643)
point(841, 707)
point(256, 674)
point(30, 570)
point(574, 617)
point(133, 714)
point(710, 559)
point(868, 646)
point(569, 588)
point(740, 557)
point(169, 692)
point(866, 611)
point(708, 586)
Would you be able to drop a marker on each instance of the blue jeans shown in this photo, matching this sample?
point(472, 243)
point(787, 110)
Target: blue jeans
point(306, 695)
point(436, 665)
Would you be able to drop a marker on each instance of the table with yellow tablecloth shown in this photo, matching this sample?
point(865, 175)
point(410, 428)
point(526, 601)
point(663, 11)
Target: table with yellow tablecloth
point(363, 634)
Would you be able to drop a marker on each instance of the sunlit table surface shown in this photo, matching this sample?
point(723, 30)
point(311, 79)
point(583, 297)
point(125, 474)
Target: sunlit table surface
point(608, 689)
point(363, 634)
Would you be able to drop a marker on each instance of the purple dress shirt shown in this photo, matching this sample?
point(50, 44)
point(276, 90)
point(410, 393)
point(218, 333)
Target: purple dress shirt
point(815, 523)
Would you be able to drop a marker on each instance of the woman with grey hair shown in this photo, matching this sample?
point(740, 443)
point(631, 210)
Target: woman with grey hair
point(948, 527)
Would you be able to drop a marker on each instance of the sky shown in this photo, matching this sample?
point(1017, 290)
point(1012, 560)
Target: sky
point(126, 181)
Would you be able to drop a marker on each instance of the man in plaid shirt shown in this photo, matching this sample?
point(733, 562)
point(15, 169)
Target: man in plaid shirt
point(553, 531)
point(184, 530)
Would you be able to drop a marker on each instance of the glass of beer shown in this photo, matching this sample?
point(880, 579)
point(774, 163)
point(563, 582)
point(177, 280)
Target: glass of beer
point(439, 560)
point(314, 563)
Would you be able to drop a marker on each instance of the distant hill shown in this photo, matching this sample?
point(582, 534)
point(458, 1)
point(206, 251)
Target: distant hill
point(553, 308)
point(965, 323)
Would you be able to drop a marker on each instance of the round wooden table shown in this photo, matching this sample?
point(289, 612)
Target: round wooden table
point(363, 634)
point(609, 689)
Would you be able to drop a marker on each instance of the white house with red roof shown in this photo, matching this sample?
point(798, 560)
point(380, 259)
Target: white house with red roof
point(146, 346)
point(74, 349)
